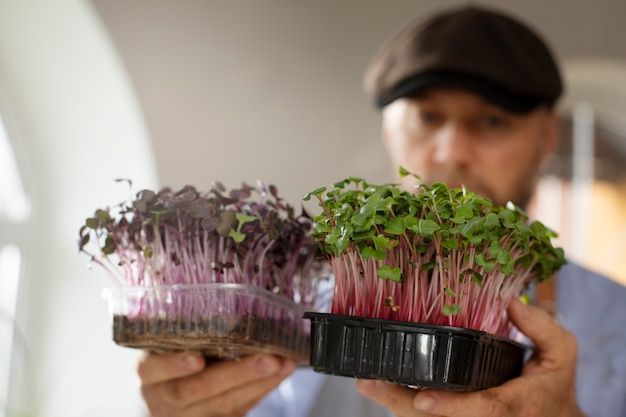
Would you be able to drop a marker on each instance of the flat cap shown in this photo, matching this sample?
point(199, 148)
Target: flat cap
point(472, 48)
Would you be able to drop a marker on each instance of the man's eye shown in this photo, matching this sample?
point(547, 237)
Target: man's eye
point(429, 117)
point(492, 121)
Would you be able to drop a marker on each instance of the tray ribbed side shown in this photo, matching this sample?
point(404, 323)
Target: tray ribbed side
point(411, 353)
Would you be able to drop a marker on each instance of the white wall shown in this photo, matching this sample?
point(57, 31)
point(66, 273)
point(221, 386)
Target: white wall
point(77, 128)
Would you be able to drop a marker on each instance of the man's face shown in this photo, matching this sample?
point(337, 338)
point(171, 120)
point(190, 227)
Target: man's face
point(456, 137)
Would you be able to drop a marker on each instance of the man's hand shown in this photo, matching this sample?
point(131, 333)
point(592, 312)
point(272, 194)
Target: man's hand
point(545, 388)
point(184, 385)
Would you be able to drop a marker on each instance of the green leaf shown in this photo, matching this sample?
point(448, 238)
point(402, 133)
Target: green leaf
point(450, 292)
point(452, 243)
point(495, 249)
point(380, 255)
point(333, 236)
point(463, 214)
point(226, 222)
point(503, 257)
point(396, 226)
point(84, 240)
point(103, 216)
point(523, 230)
point(489, 266)
point(368, 252)
point(481, 201)
point(317, 192)
point(109, 245)
point(356, 180)
point(382, 242)
point(365, 218)
point(387, 272)
point(476, 240)
point(410, 222)
point(237, 236)
point(538, 229)
point(345, 237)
point(476, 277)
point(508, 218)
point(368, 234)
point(420, 249)
point(466, 211)
point(508, 268)
point(472, 226)
point(244, 218)
point(492, 221)
point(427, 266)
point(452, 310)
point(427, 227)
point(92, 223)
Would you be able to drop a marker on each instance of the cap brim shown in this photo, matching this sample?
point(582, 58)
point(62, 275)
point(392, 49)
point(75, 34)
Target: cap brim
point(487, 90)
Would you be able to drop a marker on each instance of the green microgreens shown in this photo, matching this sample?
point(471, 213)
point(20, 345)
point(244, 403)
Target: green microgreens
point(444, 255)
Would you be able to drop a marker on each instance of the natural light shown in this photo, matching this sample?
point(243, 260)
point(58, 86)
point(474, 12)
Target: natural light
point(9, 280)
point(14, 205)
point(14, 209)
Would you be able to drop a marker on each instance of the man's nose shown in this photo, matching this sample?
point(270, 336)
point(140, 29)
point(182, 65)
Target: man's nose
point(452, 145)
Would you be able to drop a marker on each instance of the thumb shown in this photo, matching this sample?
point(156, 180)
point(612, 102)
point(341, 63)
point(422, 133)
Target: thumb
point(553, 343)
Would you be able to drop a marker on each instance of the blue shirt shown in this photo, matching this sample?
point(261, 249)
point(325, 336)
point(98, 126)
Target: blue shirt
point(591, 306)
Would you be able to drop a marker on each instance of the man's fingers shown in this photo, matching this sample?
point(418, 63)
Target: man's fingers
point(236, 402)
point(154, 368)
point(553, 343)
point(491, 402)
point(231, 374)
point(221, 384)
point(405, 402)
point(396, 398)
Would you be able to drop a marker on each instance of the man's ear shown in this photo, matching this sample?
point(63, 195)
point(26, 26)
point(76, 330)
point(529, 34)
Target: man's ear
point(385, 134)
point(552, 133)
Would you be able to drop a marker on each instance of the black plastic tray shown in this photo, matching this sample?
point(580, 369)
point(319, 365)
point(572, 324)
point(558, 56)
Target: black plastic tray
point(414, 354)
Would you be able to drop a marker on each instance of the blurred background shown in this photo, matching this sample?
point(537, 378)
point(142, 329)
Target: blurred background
point(191, 92)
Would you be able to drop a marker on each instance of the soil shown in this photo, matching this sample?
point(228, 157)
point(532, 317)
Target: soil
point(220, 336)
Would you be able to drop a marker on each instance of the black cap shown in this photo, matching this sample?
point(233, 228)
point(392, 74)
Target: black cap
point(476, 49)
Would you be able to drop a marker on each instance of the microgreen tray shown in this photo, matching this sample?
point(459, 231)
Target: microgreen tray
point(219, 320)
point(422, 355)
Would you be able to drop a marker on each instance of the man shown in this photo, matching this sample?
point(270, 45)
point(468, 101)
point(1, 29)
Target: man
point(467, 98)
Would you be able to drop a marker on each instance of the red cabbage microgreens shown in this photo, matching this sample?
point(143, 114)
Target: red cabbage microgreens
point(441, 255)
point(247, 236)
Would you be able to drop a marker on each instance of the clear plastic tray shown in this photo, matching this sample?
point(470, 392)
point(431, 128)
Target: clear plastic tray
point(220, 320)
point(415, 354)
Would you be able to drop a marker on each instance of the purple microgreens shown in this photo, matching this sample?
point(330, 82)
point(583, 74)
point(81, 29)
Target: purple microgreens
point(439, 255)
point(244, 236)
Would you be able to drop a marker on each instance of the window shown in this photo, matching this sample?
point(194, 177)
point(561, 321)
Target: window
point(14, 215)
point(583, 192)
